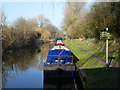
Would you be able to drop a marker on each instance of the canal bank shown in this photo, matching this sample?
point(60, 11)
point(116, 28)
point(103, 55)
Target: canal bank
point(94, 69)
point(80, 75)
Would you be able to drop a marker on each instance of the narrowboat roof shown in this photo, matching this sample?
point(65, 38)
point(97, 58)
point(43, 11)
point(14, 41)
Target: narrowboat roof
point(59, 41)
point(60, 47)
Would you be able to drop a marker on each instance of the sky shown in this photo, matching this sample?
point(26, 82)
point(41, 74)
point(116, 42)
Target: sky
point(52, 11)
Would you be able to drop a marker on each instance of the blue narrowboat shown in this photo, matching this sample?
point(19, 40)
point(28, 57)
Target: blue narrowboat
point(59, 57)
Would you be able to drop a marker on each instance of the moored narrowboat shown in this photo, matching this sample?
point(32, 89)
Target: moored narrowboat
point(59, 57)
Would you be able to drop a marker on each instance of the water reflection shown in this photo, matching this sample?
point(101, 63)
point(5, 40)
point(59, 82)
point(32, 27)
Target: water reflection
point(59, 79)
point(59, 83)
point(24, 68)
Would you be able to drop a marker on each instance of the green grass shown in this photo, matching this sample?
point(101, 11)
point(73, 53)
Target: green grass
point(100, 48)
point(102, 78)
point(87, 46)
point(97, 75)
point(85, 60)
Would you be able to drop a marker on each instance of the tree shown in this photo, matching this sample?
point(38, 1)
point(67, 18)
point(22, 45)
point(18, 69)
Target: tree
point(89, 24)
point(73, 14)
point(42, 21)
point(46, 35)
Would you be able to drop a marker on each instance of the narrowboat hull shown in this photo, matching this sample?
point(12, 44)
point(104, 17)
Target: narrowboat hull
point(63, 67)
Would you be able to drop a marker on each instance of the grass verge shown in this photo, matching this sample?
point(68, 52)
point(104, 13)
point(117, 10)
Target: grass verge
point(97, 75)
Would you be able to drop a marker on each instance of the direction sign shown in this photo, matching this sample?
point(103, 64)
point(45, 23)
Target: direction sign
point(105, 35)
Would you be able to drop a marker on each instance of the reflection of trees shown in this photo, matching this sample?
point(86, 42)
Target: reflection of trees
point(43, 54)
point(17, 61)
point(44, 49)
point(21, 60)
point(5, 72)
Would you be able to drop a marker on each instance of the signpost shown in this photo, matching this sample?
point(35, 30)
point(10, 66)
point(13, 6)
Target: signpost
point(107, 65)
point(106, 35)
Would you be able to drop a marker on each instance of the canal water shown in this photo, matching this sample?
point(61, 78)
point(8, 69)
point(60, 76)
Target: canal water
point(24, 69)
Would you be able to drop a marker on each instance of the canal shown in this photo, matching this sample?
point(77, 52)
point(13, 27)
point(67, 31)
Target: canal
point(24, 69)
